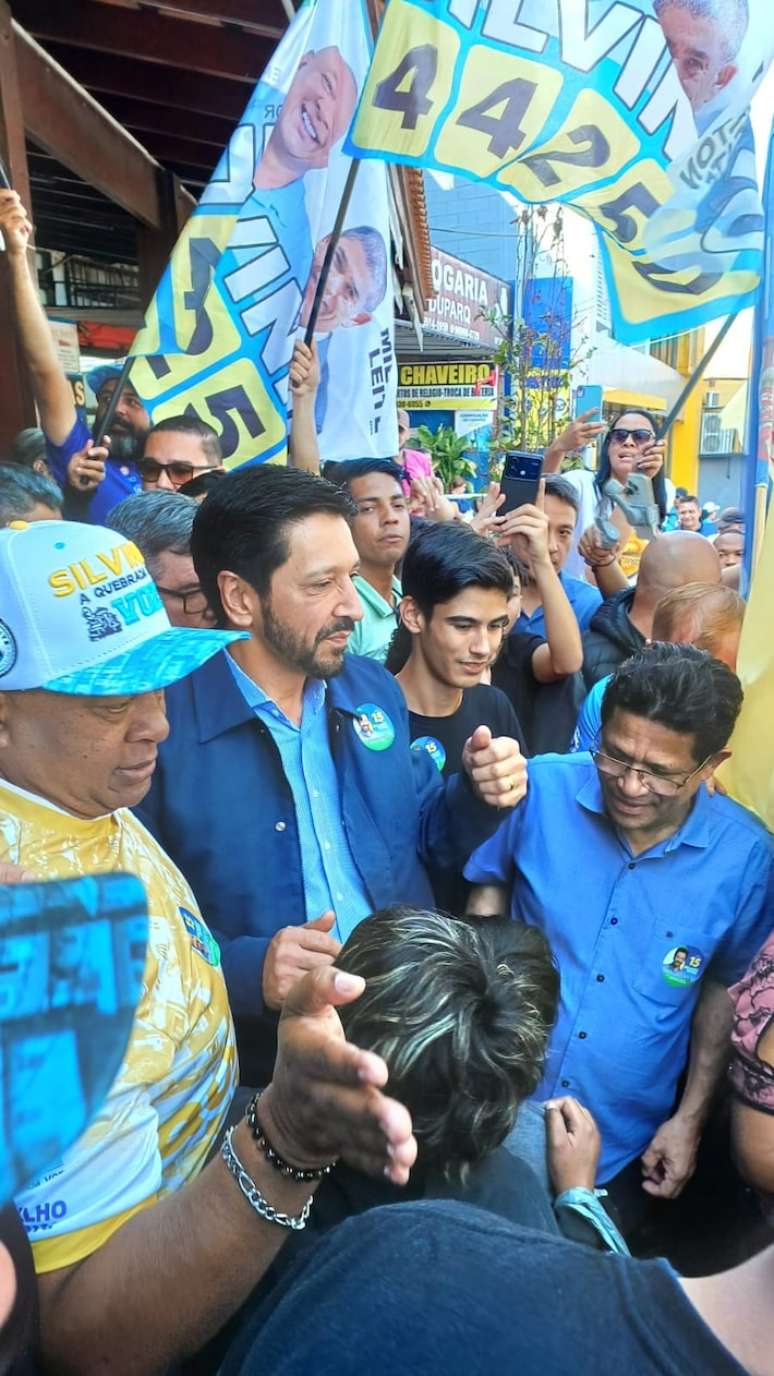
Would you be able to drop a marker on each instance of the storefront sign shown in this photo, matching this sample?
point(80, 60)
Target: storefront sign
point(465, 297)
point(447, 386)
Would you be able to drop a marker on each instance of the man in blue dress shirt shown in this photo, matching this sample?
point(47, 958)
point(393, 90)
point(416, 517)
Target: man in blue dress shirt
point(287, 791)
point(623, 859)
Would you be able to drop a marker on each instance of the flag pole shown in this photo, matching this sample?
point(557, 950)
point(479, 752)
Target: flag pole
point(331, 248)
point(107, 419)
point(695, 377)
point(4, 179)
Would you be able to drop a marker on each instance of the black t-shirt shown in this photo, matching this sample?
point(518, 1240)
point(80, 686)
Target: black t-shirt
point(444, 737)
point(448, 1290)
point(547, 711)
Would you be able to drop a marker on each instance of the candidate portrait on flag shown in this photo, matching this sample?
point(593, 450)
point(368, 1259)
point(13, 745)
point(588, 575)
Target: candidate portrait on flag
point(219, 334)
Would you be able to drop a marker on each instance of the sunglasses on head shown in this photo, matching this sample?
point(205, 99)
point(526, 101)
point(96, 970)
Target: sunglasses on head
point(176, 469)
point(639, 436)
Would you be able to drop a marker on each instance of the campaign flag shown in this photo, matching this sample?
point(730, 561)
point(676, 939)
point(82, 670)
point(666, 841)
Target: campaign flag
point(219, 333)
point(634, 113)
point(749, 776)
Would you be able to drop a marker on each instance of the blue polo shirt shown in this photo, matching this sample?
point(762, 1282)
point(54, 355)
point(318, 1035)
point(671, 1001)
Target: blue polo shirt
point(583, 599)
point(329, 875)
point(633, 937)
point(120, 480)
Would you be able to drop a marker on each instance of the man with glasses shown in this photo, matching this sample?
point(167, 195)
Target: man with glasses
point(623, 859)
point(160, 525)
point(176, 450)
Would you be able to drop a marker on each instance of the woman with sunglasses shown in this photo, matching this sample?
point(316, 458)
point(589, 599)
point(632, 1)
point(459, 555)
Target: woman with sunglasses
point(630, 445)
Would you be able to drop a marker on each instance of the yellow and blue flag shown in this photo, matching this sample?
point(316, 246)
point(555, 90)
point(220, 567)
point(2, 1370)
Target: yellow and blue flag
point(219, 334)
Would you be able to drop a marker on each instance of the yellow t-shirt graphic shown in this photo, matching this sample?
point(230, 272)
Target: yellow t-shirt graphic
point(172, 1092)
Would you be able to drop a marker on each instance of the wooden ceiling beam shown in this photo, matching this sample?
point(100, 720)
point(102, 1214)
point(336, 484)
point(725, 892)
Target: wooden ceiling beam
point(150, 37)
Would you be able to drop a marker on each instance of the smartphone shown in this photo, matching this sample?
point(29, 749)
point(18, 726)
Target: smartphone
point(521, 480)
point(587, 398)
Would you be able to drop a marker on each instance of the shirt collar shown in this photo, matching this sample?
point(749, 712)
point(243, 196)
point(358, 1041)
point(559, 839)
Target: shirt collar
point(695, 830)
point(374, 599)
point(254, 696)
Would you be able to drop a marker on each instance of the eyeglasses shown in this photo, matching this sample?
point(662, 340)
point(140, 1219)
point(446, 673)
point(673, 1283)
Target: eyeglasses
point(177, 470)
point(639, 436)
point(663, 785)
point(194, 600)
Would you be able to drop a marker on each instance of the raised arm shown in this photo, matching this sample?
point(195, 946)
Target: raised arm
point(52, 390)
point(526, 529)
point(580, 432)
point(303, 449)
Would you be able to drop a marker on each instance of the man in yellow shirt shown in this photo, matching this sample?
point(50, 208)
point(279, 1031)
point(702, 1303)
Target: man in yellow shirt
point(140, 1257)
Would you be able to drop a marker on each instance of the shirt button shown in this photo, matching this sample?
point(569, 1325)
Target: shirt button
point(583, 1035)
point(280, 826)
point(565, 1084)
point(632, 865)
point(600, 979)
point(327, 845)
point(614, 922)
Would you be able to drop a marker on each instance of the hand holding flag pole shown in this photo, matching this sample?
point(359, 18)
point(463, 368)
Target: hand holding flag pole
point(338, 225)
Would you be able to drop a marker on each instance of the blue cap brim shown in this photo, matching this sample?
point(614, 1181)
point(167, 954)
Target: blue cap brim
point(146, 668)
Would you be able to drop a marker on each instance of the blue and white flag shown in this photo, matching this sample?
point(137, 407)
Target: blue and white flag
point(220, 331)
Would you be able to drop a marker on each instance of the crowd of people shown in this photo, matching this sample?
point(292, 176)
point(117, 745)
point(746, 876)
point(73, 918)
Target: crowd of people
point(457, 945)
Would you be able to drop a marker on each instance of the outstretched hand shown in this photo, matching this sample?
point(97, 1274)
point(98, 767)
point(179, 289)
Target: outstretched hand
point(325, 1099)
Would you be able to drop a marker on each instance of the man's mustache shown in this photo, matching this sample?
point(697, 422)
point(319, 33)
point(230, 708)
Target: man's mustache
point(345, 623)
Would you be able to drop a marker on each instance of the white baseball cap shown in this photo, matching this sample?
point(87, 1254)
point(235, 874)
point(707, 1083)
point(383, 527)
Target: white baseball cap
point(79, 613)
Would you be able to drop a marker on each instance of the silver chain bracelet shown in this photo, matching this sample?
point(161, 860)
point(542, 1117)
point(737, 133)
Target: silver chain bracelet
point(253, 1195)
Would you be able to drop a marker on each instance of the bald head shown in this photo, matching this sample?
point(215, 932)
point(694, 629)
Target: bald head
point(672, 560)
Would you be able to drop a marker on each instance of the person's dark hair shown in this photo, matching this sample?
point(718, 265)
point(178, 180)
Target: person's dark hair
point(559, 487)
point(245, 522)
point(202, 483)
point(604, 470)
point(28, 448)
point(22, 489)
point(688, 497)
point(682, 688)
point(344, 474)
point(461, 1013)
point(730, 516)
point(191, 425)
point(157, 522)
point(441, 562)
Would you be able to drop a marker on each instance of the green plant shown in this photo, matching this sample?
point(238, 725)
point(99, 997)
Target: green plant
point(447, 451)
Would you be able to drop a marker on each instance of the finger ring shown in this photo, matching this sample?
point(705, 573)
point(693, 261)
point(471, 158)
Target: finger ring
point(512, 785)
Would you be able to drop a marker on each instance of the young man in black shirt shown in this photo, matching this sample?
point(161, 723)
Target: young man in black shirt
point(453, 616)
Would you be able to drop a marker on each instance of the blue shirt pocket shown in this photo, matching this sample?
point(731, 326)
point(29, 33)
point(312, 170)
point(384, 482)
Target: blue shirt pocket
point(675, 962)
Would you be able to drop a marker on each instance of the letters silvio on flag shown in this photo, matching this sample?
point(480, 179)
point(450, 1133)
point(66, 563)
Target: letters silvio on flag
point(219, 333)
point(634, 113)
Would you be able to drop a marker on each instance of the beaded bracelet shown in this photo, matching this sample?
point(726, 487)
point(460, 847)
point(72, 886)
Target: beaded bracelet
point(273, 1157)
point(253, 1195)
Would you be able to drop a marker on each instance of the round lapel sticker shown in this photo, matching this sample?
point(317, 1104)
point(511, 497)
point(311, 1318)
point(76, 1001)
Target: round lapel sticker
point(434, 749)
point(682, 965)
point(373, 726)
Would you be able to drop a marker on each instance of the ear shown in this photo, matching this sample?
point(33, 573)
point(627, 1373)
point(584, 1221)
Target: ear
point(239, 600)
point(714, 763)
point(411, 617)
point(725, 75)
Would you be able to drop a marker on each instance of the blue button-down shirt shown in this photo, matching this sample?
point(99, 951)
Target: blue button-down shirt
point(330, 877)
point(583, 599)
point(632, 936)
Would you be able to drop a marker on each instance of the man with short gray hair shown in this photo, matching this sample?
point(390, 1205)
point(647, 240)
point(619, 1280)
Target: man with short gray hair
point(704, 38)
point(27, 496)
point(160, 525)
